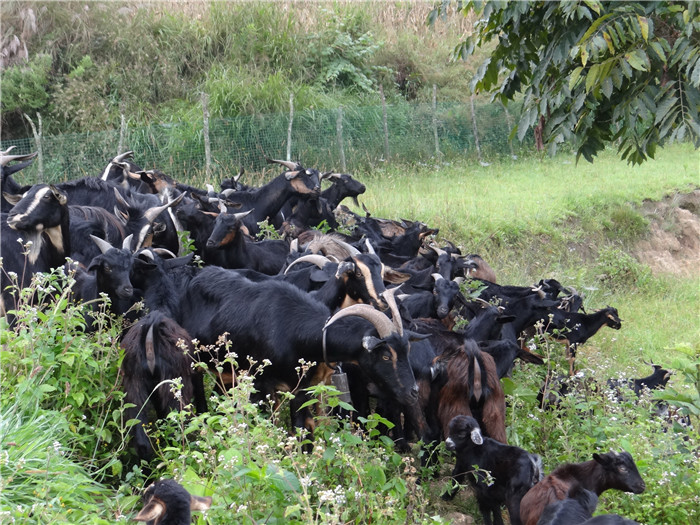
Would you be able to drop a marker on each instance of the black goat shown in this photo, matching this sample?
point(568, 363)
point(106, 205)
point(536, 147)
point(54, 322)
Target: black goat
point(503, 473)
point(436, 303)
point(613, 470)
point(657, 380)
point(156, 349)
point(166, 502)
point(235, 251)
point(275, 320)
point(9, 185)
point(575, 328)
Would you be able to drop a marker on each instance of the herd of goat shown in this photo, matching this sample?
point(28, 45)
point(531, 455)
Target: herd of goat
point(377, 303)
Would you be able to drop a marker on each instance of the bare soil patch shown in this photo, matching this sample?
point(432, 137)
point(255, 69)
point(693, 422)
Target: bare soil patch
point(673, 243)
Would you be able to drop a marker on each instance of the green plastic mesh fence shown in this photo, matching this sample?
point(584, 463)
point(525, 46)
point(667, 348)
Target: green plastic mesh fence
point(324, 139)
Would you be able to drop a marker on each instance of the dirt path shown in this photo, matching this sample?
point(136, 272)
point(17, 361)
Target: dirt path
point(673, 245)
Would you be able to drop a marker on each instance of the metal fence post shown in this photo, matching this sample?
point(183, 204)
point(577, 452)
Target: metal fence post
point(509, 123)
point(289, 129)
point(435, 123)
point(37, 140)
point(386, 124)
point(476, 132)
point(205, 132)
point(339, 132)
point(122, 134)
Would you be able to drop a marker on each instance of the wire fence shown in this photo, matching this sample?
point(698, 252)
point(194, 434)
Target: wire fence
point(348, 139)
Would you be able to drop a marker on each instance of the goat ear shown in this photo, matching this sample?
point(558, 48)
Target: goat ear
point(603, 459)
point(61, 197)
point(394, 276)
point(12, 199)
point(153, 510)
point(414, 336)
point(200, 502)
point(476, 436)
point(370, 342)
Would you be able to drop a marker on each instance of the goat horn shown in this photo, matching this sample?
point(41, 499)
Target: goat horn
point(120, 198)
point(150, 351)
point(389, 297)
point(5, 159)
point(103, 245)
point(437, 276)
point(126, 244)
point(370, 248)
point(243, 214)
point(381, 322)
point(285, 163)
point(164, 251)
point(125, 155)
point(240, 174)
point(313, 258)
point(152, 213)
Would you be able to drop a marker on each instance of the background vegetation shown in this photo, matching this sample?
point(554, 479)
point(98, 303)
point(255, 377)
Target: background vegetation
point(88, 62)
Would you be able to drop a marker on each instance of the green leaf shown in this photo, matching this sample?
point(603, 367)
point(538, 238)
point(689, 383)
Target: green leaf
point(607, 87)
point(592, 77)
point(638, 59)
point(609, 42)
point(644, 25)
point(663, 107)
point(659, 50)
point(575, 75)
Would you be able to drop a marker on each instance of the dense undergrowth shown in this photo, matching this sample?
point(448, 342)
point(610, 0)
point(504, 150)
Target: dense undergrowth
point(89, 62)
point(64, 452)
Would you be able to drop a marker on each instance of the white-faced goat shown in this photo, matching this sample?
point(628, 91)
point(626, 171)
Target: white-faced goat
point(613, 470)
point(499, 474)
point(166, 502)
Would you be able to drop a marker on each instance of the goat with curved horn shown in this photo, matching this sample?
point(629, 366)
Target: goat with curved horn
point(5, 159)
point(313, 258)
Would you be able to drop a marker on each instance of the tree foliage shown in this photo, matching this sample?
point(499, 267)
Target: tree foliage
point(591, 72)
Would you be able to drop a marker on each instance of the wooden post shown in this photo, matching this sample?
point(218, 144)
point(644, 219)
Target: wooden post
point(509, 123)
point(289, 129)
point(339, 133)
point(37, 140)
point(386, 124)
point(122, 135)
point(435, 123)
point(476, 132)
point(205, 131)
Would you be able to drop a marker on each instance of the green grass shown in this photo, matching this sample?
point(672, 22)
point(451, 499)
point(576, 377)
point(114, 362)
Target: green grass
point(476, 205)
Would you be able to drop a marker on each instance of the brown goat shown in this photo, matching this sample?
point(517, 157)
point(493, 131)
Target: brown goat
point(468, 385)
point(476, 268)
point(613, 470)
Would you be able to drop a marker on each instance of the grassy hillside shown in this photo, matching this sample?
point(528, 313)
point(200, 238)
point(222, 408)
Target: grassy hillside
point(88, 63)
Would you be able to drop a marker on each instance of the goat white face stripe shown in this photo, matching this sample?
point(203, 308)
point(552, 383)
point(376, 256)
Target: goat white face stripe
point(32, 206)
point(106, 172)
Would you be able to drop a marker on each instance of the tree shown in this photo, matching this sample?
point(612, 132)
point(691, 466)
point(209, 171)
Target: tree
point(591, 72)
